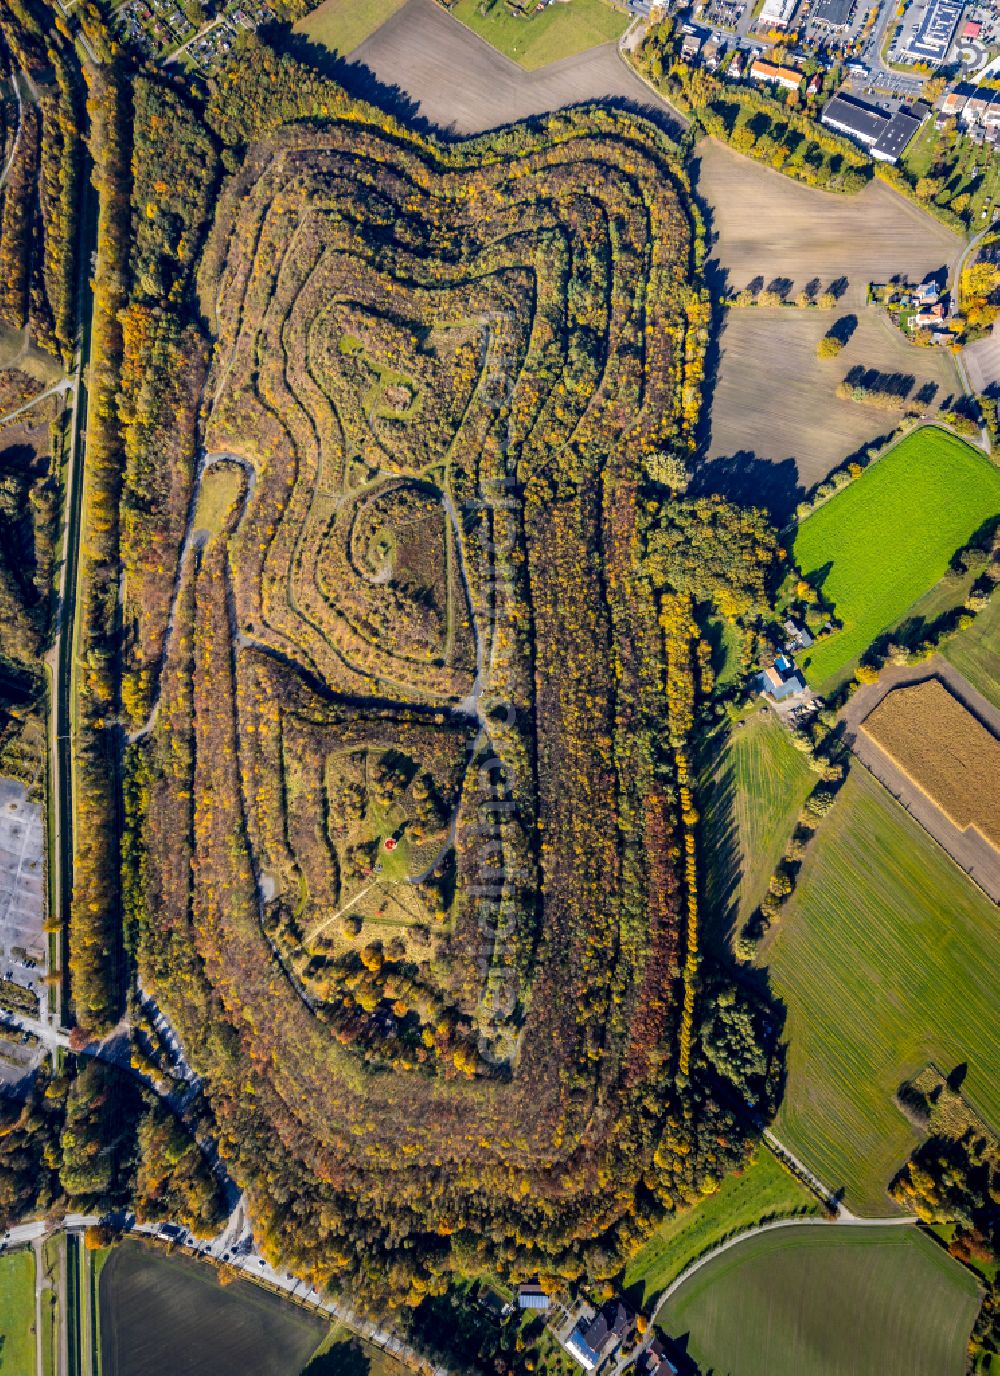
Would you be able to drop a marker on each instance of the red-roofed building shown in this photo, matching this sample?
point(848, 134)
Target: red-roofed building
point(972, 29)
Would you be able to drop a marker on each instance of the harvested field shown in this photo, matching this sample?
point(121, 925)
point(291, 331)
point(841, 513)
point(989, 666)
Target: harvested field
point(776, 424)
point(458, 82)
point(968, 847)
point(813, 1301)
point(982, 360)
point(770, 226)
point(944, 750)
point(884, 958)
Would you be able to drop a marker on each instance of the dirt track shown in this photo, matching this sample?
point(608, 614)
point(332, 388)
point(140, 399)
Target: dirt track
point(464, 86)
point(970, 851)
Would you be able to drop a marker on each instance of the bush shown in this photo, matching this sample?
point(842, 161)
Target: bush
point(829, 346)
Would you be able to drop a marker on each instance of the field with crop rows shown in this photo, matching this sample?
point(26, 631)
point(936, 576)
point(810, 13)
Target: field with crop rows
point(750, 804)
point(164, 1313)
point(883, 541)
point(944, 750)
point(413, 695)
point(829, 1302)
point(884, 957)
point(770, 226)
point(763, 1190)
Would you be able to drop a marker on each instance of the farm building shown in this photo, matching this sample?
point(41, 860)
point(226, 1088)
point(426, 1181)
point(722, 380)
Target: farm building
point(594, 1339)
point(780, 680)
point(885, 135)
point(532, 1296)
point(767, 73)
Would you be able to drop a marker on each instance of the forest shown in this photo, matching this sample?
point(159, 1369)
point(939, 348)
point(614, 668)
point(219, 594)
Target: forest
point(407, 859)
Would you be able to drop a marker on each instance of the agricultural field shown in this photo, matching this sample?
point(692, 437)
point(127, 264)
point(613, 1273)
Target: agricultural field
point(776, 426)
point(829, 1302)
point(883, 958)
point(341, 25)
point(770, 226)
point(763, 1190)
point(169, 1313)
point(17, 1314)
point(388, 740)
point(974, 652)
point(559, 31)
point(750, 803)
point(461, 84)
point(882, 542)
point(946, 752)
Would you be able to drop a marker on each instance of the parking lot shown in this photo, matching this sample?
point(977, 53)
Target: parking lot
point(22, 916)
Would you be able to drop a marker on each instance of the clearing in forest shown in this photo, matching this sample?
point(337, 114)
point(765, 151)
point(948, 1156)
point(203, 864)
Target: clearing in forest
point(884, 540)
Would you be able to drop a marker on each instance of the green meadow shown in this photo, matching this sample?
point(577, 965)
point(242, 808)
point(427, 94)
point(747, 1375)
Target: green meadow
point(883, 541)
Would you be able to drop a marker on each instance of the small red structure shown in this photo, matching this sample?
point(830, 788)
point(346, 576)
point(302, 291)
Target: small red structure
point(390, 843)
point(972, 29)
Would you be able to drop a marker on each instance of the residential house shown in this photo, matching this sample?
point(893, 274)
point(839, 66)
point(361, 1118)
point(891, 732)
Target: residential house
point(768, 73)
point(592, 1340)
point(711, 54)
point(780, 680)
point(798, 637)
point(690, 47)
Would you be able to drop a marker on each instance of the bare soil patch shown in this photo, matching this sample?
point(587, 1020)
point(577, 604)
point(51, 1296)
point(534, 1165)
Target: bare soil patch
point(776, 424)
point(765, 224)
point(982, 361)
point(460, 83)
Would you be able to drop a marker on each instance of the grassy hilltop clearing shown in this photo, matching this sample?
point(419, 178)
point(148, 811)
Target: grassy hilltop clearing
point(825, 1302)
point(885, 957)
point(887, 538)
